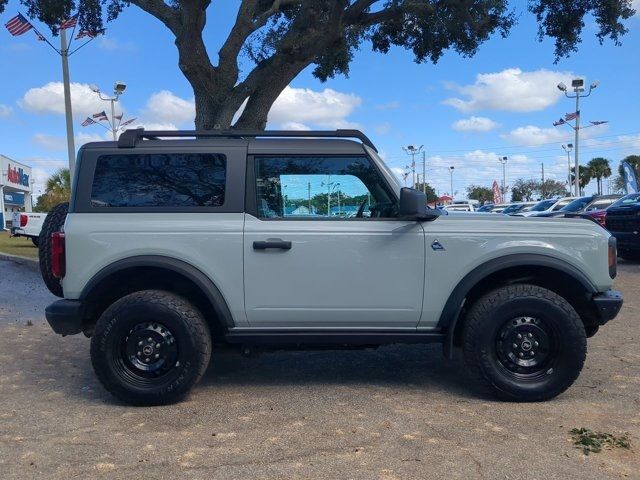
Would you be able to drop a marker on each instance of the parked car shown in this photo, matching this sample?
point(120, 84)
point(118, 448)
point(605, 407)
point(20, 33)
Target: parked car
point(545, 206)
point(623, 221)
point(518, 296)
point(460, 207)
point(582, 204)
point(499, 208)
point(486, 208)
point(27, 224)
point(517, 207)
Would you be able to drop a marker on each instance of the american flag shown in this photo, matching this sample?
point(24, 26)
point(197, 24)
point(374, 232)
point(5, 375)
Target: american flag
point(128, 122)
point(598, 122)
point(18, 25)
point(69, 23)
point(559, 122)
point(85, 33)
point(88, 121)
point(571, 116)
point(100, 115)
point(118, 117)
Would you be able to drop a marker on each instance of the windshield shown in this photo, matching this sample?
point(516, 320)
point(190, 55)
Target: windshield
point(631, 199)
point(513, 208)
point(542, 206)
point(562, 203)
point(577, 205)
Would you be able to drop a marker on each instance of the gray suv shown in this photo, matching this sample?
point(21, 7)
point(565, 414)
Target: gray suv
point(176, 242)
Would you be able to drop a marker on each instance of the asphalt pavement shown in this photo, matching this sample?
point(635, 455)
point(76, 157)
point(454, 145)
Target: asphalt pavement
point(398, 412)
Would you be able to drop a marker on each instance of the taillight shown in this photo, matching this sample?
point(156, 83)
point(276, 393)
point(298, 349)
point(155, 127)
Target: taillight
point(58, 261)
point(23, 220)
point(613, 257)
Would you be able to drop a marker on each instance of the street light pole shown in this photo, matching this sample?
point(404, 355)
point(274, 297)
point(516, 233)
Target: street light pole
point(413, 151)
point(503, 161)
point(567, 148)
point(118, 89)
point(451, 169)
point(64, 54)
point(578, 87)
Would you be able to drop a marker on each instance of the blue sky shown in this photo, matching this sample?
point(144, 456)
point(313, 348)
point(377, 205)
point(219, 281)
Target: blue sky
point(466, 112)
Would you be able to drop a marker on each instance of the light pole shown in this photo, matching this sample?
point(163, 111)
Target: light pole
point(118, 89)
point(451, 169)
point(567, 148)
point(330, 187)
point(577, 84)
point(503, 161)
point(413, 151)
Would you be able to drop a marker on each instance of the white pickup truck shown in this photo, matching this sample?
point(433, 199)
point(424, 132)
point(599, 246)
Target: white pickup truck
point(27, 224)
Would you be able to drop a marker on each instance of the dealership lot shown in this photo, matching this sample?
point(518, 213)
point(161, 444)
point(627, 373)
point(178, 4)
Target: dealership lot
point(396, 412)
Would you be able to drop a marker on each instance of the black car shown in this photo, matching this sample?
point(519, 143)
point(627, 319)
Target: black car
point(623, 221)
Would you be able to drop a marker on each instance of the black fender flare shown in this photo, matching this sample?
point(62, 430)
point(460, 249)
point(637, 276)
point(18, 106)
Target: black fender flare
point(455, 303)
point(202, 281)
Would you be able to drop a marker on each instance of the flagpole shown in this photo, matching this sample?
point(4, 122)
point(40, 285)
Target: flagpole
point(64, 54)
point(577, 129)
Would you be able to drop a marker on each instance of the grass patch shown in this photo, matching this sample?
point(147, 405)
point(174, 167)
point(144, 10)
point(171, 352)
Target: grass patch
point(17, 246)
point(593, 442)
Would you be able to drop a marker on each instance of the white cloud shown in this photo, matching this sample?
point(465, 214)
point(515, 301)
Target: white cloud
point(165, 107)
point(49, 142)
point(383, 128)
point(5, 111)
point(50, 99)
point(511, 89)
point(532, 135)
point(327, 108)
point(474, 124)
point(295, 126)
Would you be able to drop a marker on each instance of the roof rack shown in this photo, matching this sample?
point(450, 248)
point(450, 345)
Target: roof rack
point(130, 137)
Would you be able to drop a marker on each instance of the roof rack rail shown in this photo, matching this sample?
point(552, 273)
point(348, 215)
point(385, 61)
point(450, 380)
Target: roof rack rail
point(129, 138)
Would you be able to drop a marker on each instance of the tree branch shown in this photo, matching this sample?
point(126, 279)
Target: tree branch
point(163, 12)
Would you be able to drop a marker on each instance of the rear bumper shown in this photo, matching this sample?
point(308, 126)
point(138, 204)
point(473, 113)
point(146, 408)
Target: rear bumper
point(65, 316)
point(607, 305)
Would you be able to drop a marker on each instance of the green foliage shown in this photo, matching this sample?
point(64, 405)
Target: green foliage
point(57, 190)
point(599, 168)
point(428, 189)
point(593, 442)
point(634, 161)
point(529, 190)
point(283, 37)
point(482, 194)
point(585, 176)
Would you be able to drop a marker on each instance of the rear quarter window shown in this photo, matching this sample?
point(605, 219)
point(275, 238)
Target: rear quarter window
point(159, 180)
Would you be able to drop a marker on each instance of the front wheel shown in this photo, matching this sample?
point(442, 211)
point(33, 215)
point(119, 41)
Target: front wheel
point(150, 348)
point(526, 342)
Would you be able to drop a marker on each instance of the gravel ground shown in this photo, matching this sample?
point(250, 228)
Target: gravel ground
point(398, 412)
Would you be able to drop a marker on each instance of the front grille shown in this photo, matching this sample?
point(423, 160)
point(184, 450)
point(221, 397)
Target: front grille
point(623, 223)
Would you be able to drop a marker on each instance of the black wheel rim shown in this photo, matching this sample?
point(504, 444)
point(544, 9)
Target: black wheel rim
point(147, 352)
point(527, 347)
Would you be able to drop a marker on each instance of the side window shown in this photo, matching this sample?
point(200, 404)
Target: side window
point(332, 188)
point(159, 180)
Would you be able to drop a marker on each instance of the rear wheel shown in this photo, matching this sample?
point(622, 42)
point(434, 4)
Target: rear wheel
point(150, 348)
point(53, 222)
point(526, 342)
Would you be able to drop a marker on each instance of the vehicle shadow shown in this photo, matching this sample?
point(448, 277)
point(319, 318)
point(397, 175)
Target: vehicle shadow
point(412, 366)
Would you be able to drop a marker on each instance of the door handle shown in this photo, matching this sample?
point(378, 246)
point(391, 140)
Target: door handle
point(275, 243)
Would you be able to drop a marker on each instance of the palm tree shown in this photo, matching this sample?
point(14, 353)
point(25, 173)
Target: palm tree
point(585, 176)
point(599, 169)
point(59, 183)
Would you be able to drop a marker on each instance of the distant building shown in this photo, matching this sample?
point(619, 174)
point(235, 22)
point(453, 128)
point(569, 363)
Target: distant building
point(16, 182)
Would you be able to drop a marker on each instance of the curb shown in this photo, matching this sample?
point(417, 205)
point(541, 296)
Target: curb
point(31, 263)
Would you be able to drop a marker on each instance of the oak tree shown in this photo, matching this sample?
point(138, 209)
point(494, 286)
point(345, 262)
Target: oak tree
point(283, 37)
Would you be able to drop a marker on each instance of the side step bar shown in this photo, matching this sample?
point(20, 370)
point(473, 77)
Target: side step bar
point(271, 337)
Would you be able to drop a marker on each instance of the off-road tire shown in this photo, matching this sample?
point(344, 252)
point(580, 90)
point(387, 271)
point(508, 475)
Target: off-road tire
point(35, 241)
point(511, 307)
point(163, 312)
point(52, 223)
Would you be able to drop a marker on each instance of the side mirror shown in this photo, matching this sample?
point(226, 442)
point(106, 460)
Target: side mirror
point(413, 205)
